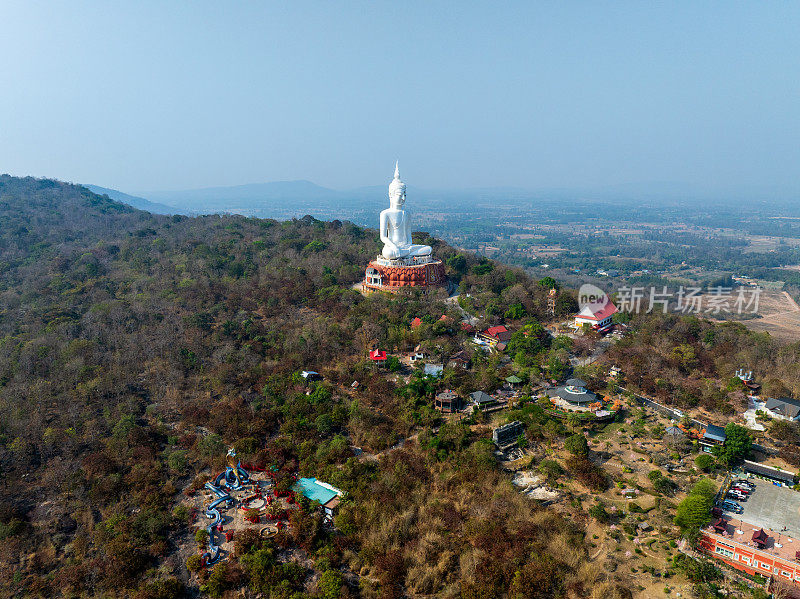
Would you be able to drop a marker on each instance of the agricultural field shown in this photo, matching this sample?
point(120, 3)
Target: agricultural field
point(780, 316)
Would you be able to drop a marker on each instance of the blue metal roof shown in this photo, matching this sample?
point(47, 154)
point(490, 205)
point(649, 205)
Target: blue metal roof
point(715, 433)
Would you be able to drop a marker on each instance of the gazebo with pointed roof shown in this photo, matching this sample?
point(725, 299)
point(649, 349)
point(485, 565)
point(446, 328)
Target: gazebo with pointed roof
point(720, 525)
point(760, 538)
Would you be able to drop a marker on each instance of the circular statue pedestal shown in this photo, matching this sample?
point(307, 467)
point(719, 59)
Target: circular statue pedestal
point(254, 504)
point(394, 277)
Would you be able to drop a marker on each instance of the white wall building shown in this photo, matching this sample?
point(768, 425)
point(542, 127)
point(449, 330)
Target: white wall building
point(785, 408)
point(595, 317)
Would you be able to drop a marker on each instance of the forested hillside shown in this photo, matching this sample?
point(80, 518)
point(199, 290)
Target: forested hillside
point(135, 348)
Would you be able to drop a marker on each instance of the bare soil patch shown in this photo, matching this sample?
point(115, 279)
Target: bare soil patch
point(780, 316)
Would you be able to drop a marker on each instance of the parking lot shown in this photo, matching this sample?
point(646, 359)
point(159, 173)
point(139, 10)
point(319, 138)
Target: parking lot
point(772, 507)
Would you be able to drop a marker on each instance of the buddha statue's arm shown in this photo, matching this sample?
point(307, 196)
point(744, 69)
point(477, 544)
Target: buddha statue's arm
point(385, 230)
point(407, 235)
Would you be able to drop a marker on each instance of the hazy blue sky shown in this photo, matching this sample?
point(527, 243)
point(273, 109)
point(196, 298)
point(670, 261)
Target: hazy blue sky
point(158, 95)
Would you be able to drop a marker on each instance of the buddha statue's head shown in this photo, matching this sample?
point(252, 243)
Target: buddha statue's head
point(397, 189)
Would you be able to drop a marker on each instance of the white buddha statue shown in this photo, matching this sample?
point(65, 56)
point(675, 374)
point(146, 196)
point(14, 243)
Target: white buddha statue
point(395, 226)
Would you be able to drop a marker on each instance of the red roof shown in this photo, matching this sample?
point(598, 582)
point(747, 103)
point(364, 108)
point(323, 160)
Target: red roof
point(760, 537)
point(465, 326)
point(590, 313)
point(377, 355)
point(493, 331)
point(498, 332)
point(415, 323)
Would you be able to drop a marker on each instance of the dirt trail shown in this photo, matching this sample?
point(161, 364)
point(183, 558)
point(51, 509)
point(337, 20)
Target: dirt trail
point(365, 456)
point(465, 316)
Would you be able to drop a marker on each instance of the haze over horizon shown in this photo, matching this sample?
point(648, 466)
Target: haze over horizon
point(531, 96)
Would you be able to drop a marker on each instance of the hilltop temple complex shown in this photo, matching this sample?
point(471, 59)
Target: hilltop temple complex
point(401, 263)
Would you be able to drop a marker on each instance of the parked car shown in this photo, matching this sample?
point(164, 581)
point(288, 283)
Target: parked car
point(737, 495)
point(745, 483)
point(742, 489)
point(732, 506)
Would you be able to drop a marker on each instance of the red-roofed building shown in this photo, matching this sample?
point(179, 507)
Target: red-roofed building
point(465, 326)
point(599, 318)
point(416, 322)
point(495, 335)
point(377, 355)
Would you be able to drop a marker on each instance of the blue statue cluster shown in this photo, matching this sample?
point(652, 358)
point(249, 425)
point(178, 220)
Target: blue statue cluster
point(233, 478)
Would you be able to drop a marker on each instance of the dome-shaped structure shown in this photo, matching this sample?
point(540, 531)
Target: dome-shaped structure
point(575, 386)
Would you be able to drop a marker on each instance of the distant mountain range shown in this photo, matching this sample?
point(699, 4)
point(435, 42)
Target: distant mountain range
point(278, 198)
point(135, 201)
point(287, 199)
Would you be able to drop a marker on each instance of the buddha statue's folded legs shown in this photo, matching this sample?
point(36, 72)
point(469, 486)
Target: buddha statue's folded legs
point(420, 250)
point(392, 252)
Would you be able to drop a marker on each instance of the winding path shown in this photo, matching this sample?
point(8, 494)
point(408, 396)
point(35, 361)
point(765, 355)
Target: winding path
point(465, 316)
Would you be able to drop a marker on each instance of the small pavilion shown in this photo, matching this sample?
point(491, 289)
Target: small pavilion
point(720, 526)
point(760, 538)
point(513, 380)
point(448, 401)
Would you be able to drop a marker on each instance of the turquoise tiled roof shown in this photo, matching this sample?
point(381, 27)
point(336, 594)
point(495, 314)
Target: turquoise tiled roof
point(313, 490)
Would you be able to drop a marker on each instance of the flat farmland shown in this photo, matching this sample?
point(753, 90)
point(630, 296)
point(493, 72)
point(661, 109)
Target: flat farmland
point(780, 316)
point(763, 243)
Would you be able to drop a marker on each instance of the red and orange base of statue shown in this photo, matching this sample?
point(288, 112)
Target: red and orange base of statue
point(392, 278)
